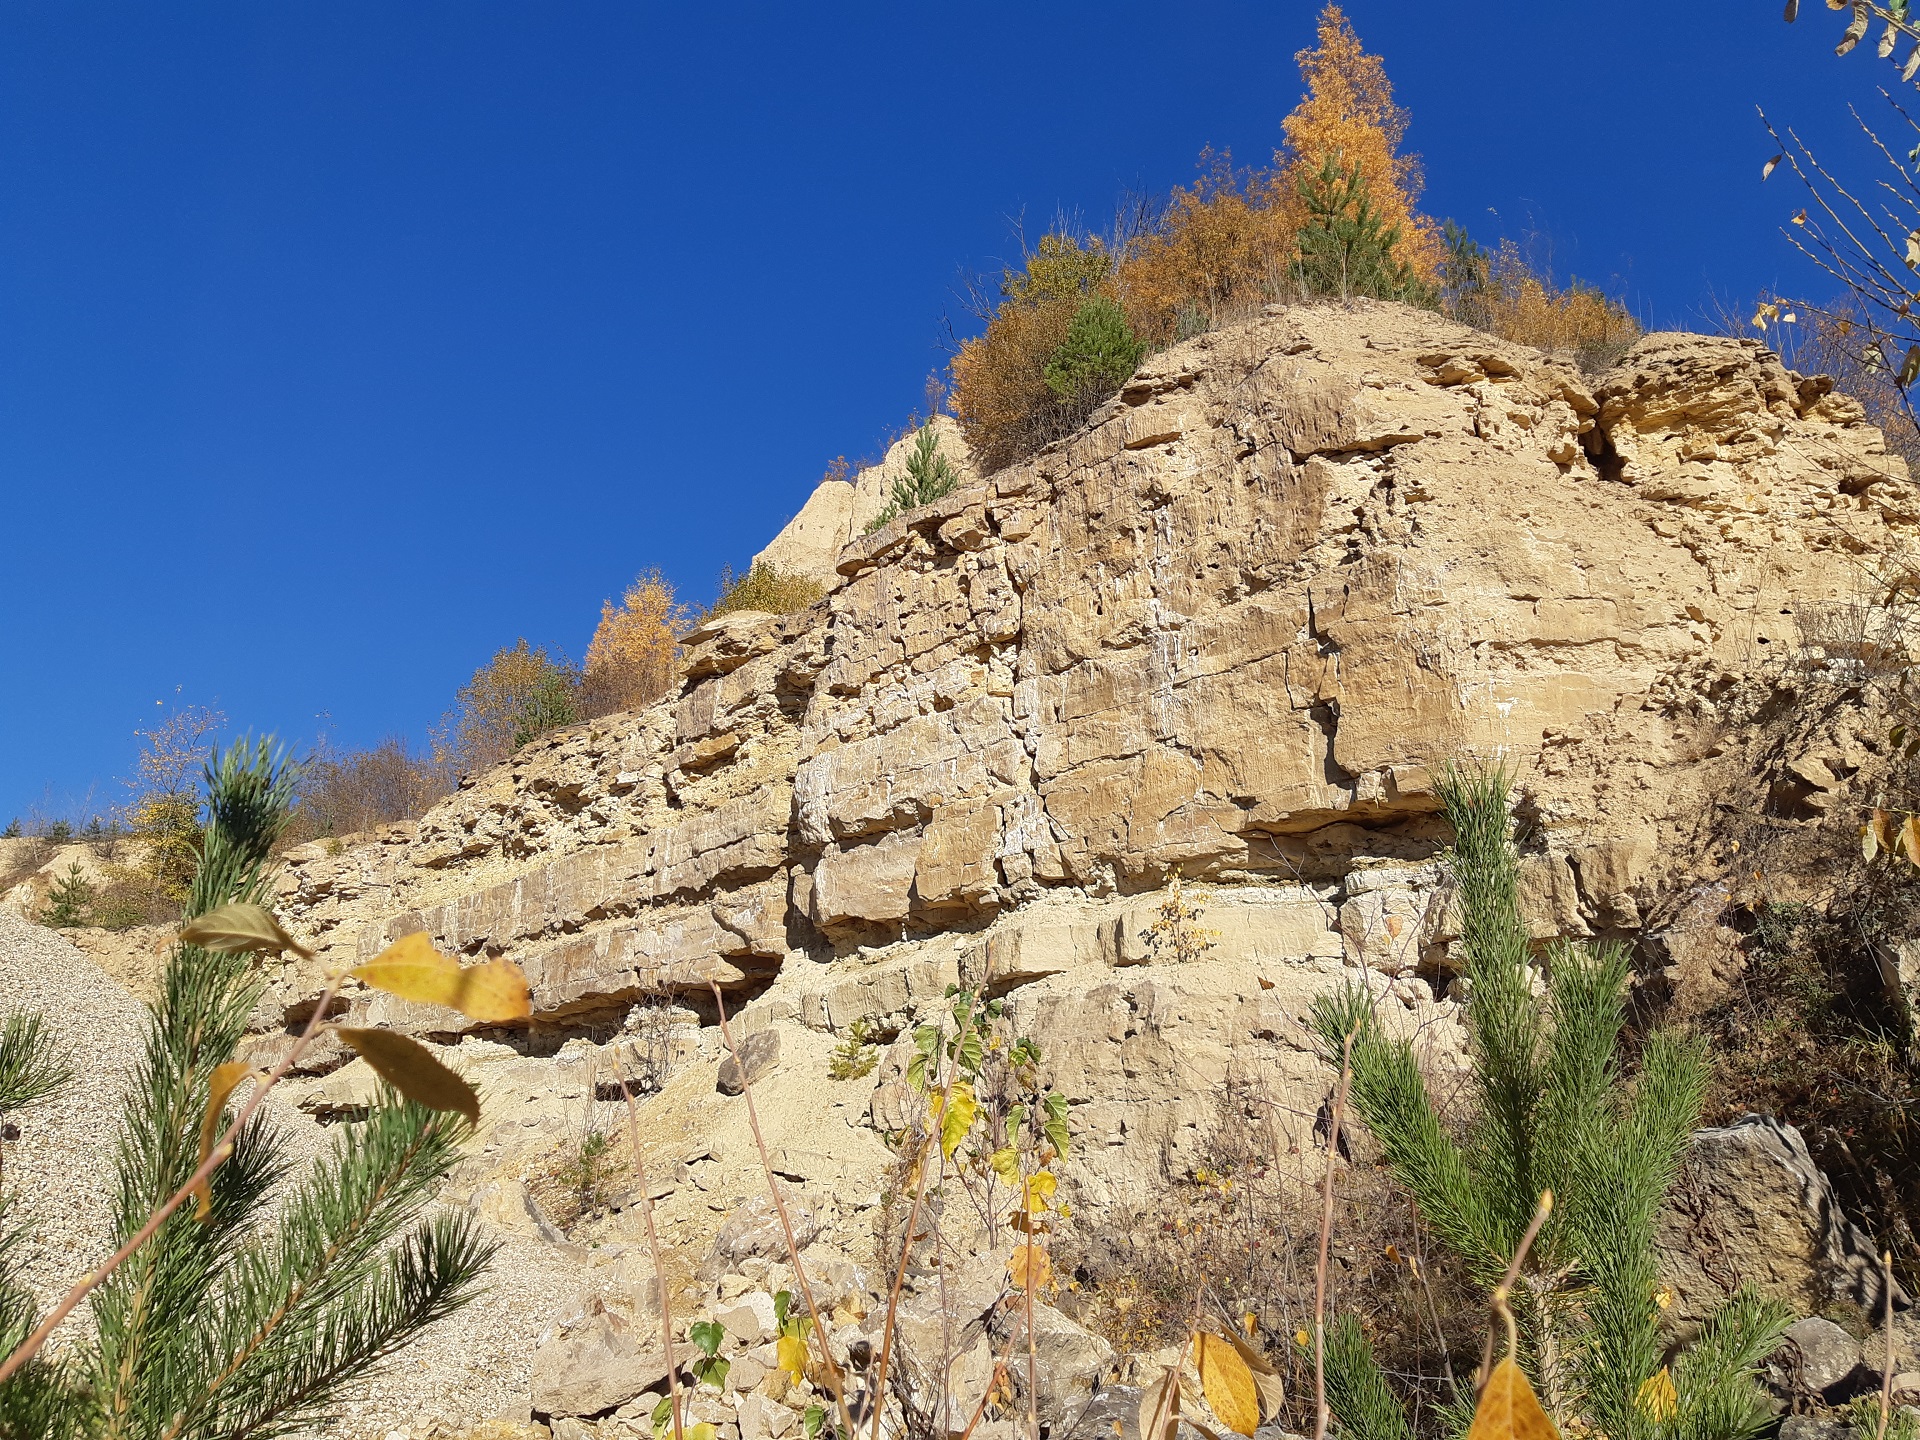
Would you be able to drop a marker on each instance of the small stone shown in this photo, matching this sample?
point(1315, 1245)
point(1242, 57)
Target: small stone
point(1829, 1356)
point(759, 1053)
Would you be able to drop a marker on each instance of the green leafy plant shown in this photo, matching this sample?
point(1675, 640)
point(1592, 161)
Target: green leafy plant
point(856, 1054)
point(709, 1368)
point(12, 832)
point(1098, 356)
point(220, 1314)
point(929, 476)
point(1345, 249)
point(1552, 1112)
point(69, 900)
point(548, 704)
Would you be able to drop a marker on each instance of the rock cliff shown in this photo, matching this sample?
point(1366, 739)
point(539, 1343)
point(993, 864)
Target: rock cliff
point(1229, 631)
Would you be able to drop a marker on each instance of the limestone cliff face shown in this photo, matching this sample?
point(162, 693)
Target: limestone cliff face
point(1232, 626)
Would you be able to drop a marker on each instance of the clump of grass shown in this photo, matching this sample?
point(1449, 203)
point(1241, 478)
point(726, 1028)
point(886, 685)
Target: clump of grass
point(764, 588)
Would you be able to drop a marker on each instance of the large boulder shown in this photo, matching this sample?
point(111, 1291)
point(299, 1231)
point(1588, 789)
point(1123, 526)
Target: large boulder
point(1751, 1208)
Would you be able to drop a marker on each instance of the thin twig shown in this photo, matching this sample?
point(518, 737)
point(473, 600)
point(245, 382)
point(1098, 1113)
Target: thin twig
point(217, 1156)
point(653, 1248)
point(1505, 1288)
point(1886, 1378)
point(1320, 1416)
point(1026, 1290)
point(786, 1225)
point(893, 1294)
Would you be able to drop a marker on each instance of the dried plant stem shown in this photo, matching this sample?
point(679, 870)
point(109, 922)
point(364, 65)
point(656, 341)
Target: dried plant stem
point(786, 1225)
point(1505, 1288)
point(1026, 1290)
point(899, 1276)
point(1320, 1415)
point(217, 1156)
point(1886, 1376)
point(653, 1249)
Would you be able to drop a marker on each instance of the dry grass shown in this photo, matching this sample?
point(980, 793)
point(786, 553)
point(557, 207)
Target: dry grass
point(764, 588)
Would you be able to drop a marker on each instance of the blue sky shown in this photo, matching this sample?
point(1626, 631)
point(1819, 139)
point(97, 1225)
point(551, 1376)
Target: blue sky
point(342, 343)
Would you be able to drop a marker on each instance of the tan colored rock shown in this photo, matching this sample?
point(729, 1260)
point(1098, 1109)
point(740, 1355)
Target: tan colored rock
point(1235, 625)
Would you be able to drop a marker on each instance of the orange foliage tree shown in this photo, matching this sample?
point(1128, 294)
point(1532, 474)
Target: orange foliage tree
point(1219, 249)
point(634, 656)
point(1349, 112)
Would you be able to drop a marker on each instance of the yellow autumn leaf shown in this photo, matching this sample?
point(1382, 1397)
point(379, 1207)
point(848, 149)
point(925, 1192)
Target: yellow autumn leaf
point(413, 970)
point(1006, 1164)
point(1266, 1380)
point(791, 1356)
point(1657, 1399)
point(702, 1431)
point(1509, 1410)
point(1029, 1268)
point(1910, 838)
point(225, 1077)
point(1040, 1190)
point(962, 1108)
point(1227, 1383)
point(242, 927)
point(410, 1068)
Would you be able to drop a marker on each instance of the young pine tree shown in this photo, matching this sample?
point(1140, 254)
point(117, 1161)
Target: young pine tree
point(930, 475)
point(1551, 1110)
point(1097, 357)
point(1345, 248)
point(241, 1319)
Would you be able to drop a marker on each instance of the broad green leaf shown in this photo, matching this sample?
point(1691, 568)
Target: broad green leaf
point(240, 927)
point(1509, 1410)
point(225, 1077)
point(663, 1418)
point(810, 1422)
point(410, 1068)
point(707, 1335)
point(782, 1304)
point(962, 1109)
point(1055, 1126)
point(413, 970)
point(1227, 1383)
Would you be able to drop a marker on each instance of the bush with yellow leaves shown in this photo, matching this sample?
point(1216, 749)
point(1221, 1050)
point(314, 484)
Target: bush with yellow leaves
point(634, 657)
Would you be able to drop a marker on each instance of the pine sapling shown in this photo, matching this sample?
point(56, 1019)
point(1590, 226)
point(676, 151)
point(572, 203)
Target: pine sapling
point(1552, 1112)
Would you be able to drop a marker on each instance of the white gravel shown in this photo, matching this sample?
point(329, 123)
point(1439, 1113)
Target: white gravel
point(476, 1366)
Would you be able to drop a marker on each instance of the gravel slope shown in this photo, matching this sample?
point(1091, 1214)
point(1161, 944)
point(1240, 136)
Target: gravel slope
point(475, 1366)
